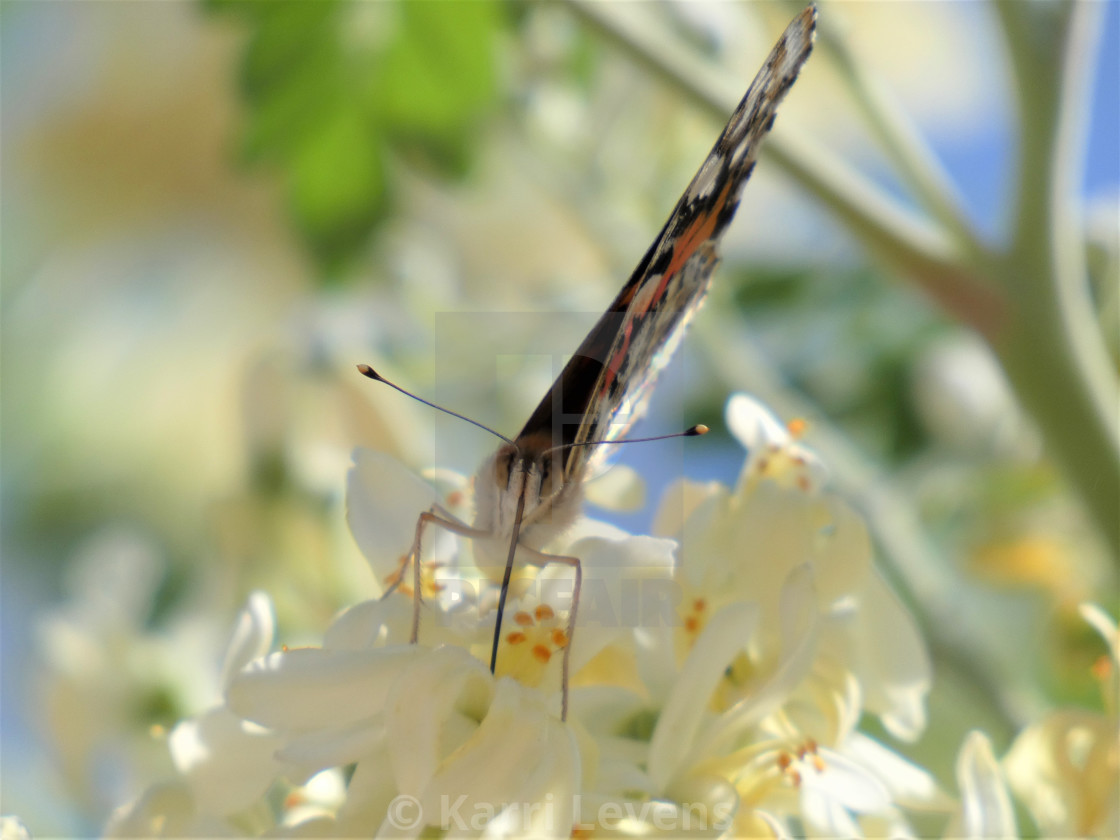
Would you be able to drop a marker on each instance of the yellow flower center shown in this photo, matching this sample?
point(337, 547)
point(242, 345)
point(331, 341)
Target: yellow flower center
point(694, 617)
point(528, 648)
point(791, 765)
point(785, 465)
point(402, 578)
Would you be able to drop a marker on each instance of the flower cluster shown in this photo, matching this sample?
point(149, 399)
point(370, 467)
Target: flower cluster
point(1064, 768)
point(718, 674)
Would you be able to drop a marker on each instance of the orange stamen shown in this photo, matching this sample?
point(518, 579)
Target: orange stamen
point(543, 612)
point(1102, 668)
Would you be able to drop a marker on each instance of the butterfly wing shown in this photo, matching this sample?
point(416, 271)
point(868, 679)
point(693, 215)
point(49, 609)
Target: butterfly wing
point(619, 359)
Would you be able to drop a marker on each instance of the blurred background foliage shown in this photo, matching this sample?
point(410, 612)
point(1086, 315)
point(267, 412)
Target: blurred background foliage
point(212, 211)
point(333, 88)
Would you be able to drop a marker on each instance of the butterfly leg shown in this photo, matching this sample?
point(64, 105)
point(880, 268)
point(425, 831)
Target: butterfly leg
point(541, 559)
point(435, 515)
point(438, 516)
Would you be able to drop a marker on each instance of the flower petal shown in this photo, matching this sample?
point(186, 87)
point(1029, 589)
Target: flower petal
point(227, 762)
point(848, 783)
point(909, 785)
point(384, 499)
point(826, 814)
point(1064, 769)
point(520, 754)
point(891, 661)
point(311, 687)
point(368, 795)
point(12, 828)
point(726, 634)
point(753, 424)
point(679, 502)
point(985, 809)
point(163, 810)
point(799, 632)
point(323, 748)
point(445, 683)
point(620, 489)
point(359, 627)
point(252, 635)
point(1104, 624)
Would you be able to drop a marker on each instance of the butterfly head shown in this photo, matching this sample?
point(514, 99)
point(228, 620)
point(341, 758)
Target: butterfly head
point(533, 469)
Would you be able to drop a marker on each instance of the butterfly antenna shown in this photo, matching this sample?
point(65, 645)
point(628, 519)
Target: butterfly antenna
point(694, 431)
point(370, 373)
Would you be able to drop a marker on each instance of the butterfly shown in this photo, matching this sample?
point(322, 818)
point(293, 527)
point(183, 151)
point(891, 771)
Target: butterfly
point(531, 489)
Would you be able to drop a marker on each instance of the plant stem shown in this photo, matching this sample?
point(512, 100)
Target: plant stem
point(901, 140)
point(1052, 349)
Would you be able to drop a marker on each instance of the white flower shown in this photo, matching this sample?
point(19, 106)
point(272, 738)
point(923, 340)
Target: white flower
point(433, 725)
point(109, 683)
point(985, 805)
point(1065, 768)
point(12, 828)
point(773, 451)
point(384, 499)
point(225, 763)
point(786, 636)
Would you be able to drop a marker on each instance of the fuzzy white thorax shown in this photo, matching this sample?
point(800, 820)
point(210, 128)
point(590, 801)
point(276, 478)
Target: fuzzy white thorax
point(551, 504)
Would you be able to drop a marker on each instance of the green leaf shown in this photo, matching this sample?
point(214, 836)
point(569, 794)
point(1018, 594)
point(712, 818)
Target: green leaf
point(338, 184)
point(291, 38)
point(439, 73)
point(329, 84)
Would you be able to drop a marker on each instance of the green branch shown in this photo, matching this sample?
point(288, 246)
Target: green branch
point(903, 143)
point(1052, 349)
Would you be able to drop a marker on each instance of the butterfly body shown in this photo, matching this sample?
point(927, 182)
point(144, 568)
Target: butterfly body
point(529, 470)
point(548, 462)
